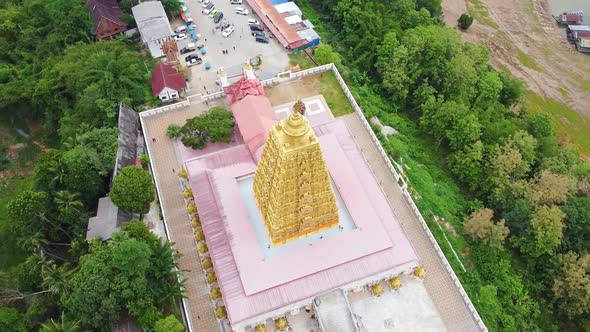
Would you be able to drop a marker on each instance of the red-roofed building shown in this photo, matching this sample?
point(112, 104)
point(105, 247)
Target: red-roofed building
point(106, 18)
point(276, 23)
point(167, 83)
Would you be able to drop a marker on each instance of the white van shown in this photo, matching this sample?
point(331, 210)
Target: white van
point(235, 2)
point(241, 11)
point(181, 29)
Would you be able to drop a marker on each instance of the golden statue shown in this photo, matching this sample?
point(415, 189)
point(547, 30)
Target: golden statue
point(377, 289)
point(220, 312)
point(419, 272)
point(395, 283)
point(206, 263)
point(292, 186)
point(260, 328)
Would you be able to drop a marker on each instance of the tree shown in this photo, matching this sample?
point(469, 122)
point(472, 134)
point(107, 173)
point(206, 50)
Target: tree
point(131, 257)
point(133, 190)
point(61, 325)
point(526, 144)
point(324, 54)
point(169, 324)
point(217, 125)
point(105, 142)
point(55, 279)
point(173, 131)
point(47, 169)
point(465, 21)
point(548, 188)
point(480, 227)
point(68, 201)
point(10, 320)
point(83, 172)
point(433, 6)
point(24, 211)
point(545, 231)
point(92, 298)
point(577, 224)
point(172, 8)
point(139, 231)
point(571, 286)
point(467, 164)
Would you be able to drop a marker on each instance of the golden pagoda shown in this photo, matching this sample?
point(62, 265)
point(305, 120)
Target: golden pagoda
point(291, 186)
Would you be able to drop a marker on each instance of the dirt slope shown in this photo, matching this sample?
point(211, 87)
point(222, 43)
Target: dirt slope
point(522, 36)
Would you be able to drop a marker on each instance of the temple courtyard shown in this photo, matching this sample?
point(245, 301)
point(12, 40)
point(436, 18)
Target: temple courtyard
point(387, 237)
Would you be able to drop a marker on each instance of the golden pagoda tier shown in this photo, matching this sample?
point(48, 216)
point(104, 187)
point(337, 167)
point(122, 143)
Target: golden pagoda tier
point(292, 186)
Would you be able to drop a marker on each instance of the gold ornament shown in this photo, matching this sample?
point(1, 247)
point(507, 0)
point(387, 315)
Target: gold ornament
point(199, 236)
point(195, 222)
point(419, 272)
point(191, 208)
point(187, 193)
point(215, 293)
point(281, 323)
point(183, 173)
point(206, 263)
point(202, 248)
point(377, 289)
point(211, 277)
point(395, 283)
point(260, 328)
point(220, 312)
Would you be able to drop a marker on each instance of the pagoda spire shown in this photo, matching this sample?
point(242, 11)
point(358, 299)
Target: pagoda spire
point(292, 186)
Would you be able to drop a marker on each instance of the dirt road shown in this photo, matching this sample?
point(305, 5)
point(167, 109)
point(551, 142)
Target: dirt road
point(523, 37)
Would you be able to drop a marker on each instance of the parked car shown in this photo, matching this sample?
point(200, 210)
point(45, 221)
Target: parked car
point(241, 11)
point(180, 29)
point(209, 9)
point(194, 62)
point(213, 13)
point(179, 37)
point(206, 3)
point(188, 48)
point(252, 21)
point(228, 31)
point(218, 17)
point(258, 34)
point(256, 28)
point(262, 39)
point(235, 2)
point(192, 57)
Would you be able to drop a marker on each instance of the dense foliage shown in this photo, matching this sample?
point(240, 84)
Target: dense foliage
point(217, 125)
point(52, 73)
point(133, 189)
point(458, 115)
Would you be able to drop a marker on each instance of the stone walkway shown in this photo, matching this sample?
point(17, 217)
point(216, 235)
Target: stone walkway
point(438, 284)
point(199, 306)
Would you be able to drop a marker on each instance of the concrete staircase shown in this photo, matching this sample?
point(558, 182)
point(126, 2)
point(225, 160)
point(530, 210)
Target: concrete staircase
point(334, 313)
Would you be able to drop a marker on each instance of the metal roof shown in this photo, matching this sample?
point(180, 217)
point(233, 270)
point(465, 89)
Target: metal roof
point(152, 21)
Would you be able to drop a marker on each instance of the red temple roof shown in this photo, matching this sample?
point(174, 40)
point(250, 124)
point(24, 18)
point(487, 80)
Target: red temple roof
point(165, 76)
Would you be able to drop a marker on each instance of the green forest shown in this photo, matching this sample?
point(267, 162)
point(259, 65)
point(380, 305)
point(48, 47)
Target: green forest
point(54, 76)
point(474, 155)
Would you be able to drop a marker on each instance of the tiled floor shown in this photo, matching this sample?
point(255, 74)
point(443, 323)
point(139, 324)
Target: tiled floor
point(166, 166)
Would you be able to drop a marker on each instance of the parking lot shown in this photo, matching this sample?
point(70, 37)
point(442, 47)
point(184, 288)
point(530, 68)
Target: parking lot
point(240, 45)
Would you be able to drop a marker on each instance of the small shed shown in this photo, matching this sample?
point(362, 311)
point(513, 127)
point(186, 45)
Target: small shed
point(106, 18)
point(167, 83)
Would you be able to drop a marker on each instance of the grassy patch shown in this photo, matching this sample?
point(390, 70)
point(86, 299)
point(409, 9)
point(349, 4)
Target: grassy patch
point(301, 59)
point(569, 123)
point(10, 254)
point(328, 87)
point(527, 61)
point(480, 12)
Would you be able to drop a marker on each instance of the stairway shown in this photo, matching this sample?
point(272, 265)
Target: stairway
point(334, 313)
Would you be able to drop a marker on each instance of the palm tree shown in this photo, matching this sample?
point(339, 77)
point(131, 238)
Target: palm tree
point(32, 242)
point(55, 278)
point(60, 173)
point(66, 200)
point(39, 260)
point(62, 325)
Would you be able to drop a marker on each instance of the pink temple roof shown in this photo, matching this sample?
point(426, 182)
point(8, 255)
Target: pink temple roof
point(252, 111)
point(242, 88)
point(224, 222)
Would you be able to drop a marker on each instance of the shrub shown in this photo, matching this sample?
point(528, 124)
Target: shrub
point(173, 131)
point(465, 21)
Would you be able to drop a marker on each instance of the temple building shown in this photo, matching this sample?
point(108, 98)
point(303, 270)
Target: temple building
point(292, 186)
point(290, 217)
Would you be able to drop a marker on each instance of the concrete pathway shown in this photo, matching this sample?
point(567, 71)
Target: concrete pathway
point(438, 284)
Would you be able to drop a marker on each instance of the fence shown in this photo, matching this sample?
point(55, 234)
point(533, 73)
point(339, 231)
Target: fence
point(166, 108)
